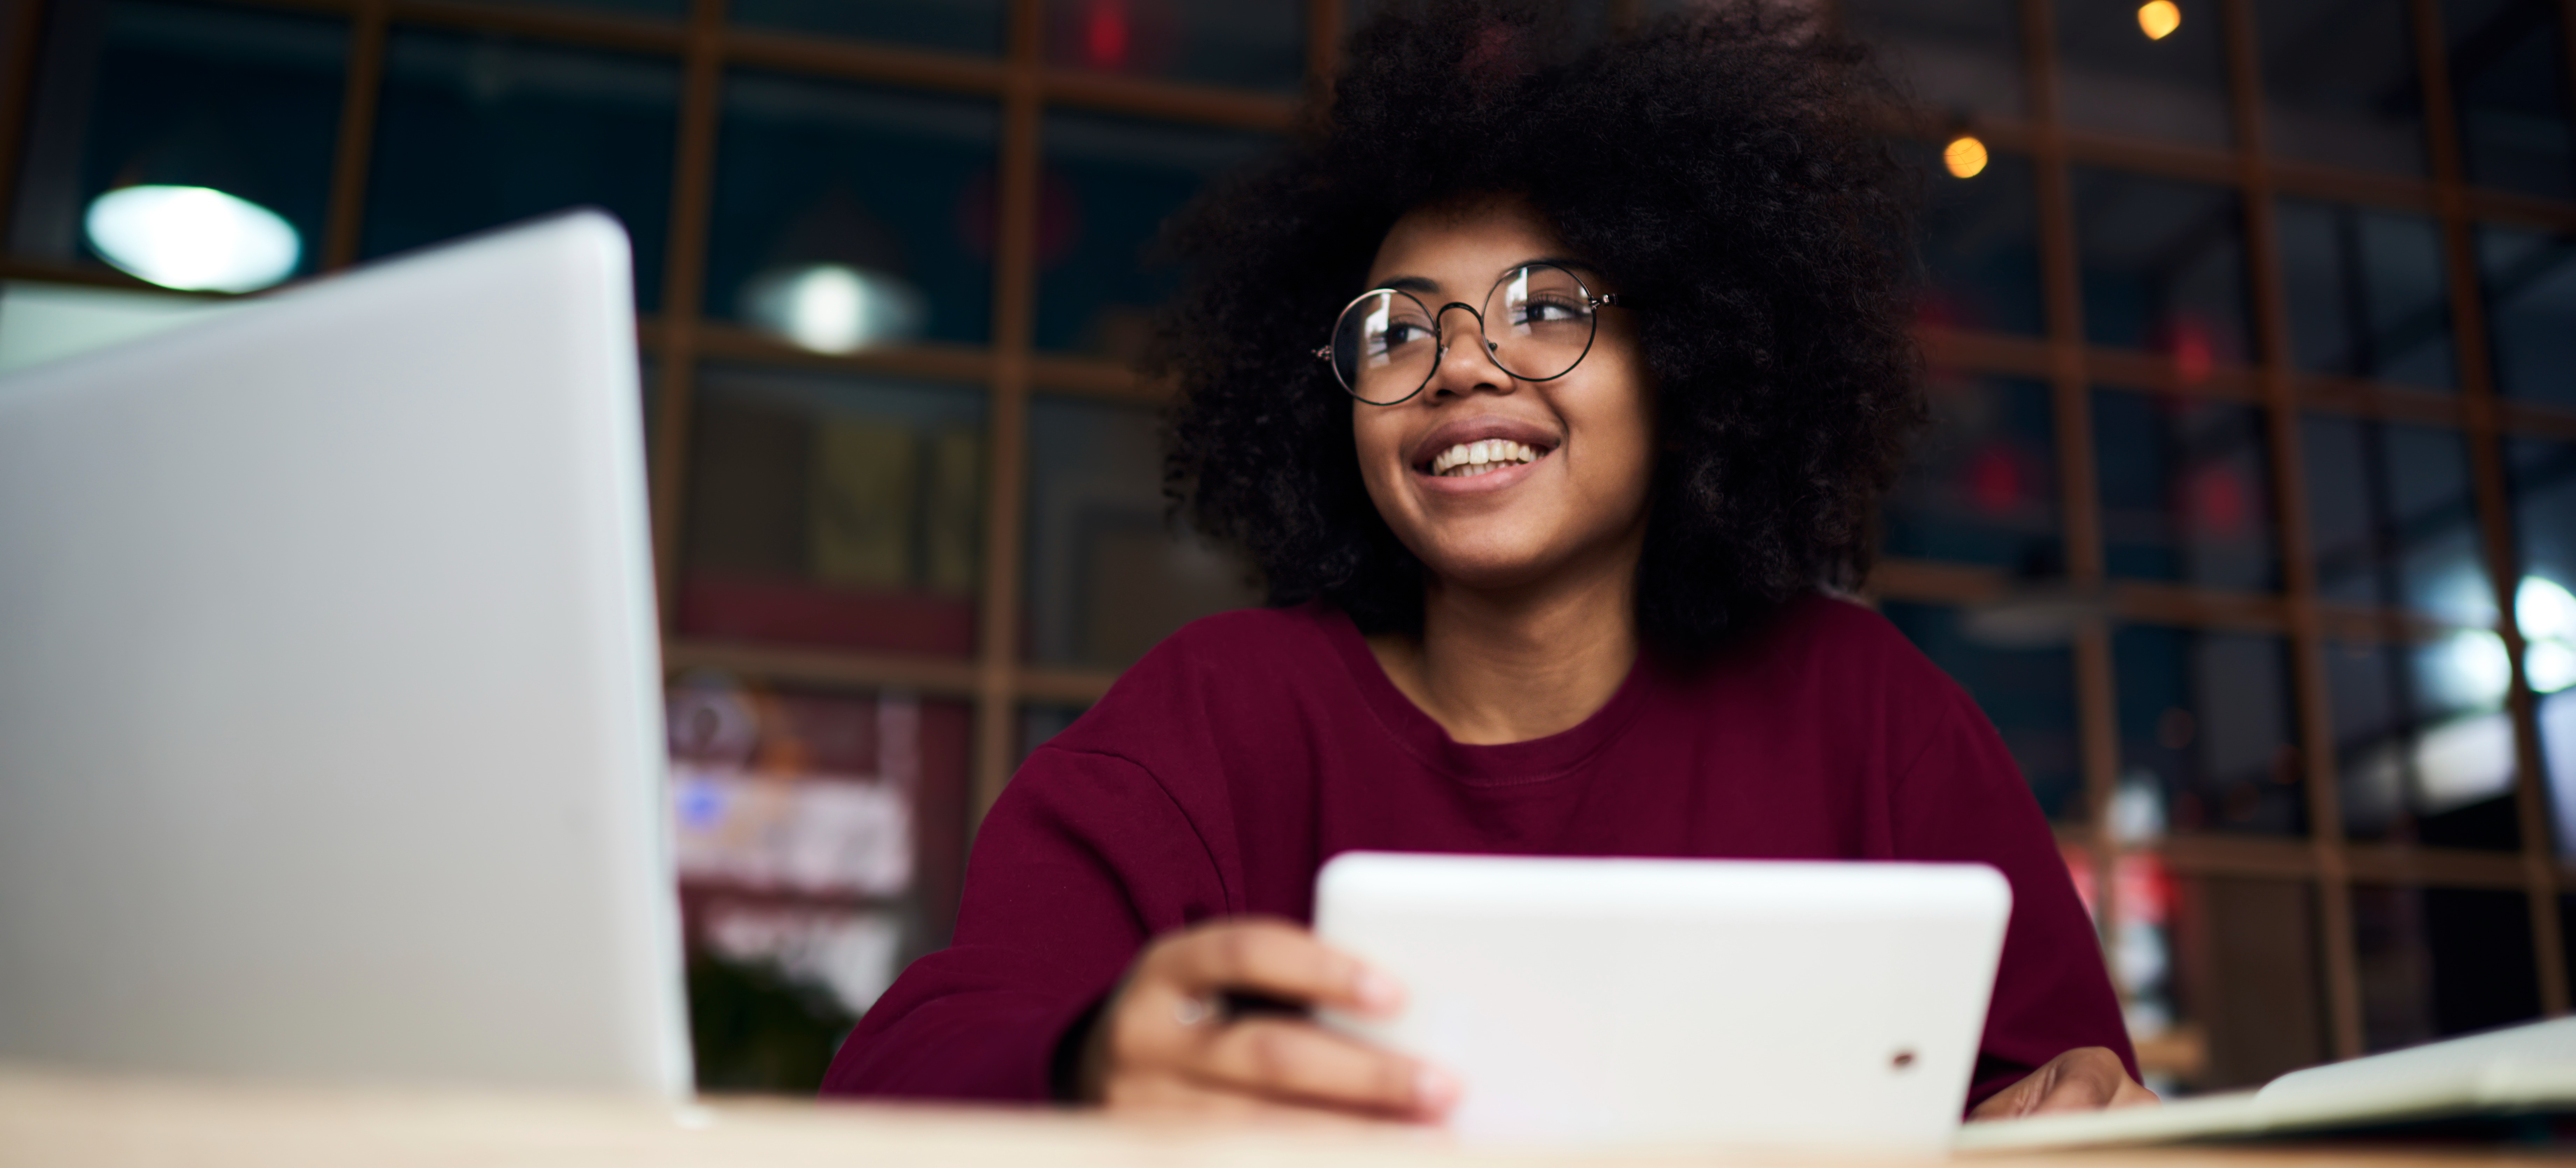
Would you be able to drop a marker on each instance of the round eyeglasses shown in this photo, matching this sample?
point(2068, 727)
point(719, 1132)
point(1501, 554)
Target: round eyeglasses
point(1537, 323)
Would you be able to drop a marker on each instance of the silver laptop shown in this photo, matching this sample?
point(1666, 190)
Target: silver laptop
point(330, 739)
point(1679, 1003)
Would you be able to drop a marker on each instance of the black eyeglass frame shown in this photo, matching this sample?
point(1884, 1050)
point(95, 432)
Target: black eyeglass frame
point(1592, 306)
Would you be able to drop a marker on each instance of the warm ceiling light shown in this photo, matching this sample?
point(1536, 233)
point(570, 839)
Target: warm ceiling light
point(193, 238)
point(2159, 18)
point(1965, 156)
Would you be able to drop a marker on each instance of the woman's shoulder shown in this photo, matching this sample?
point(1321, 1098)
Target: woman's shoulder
point(1841, 636)
point(1248, 663)
point(1842, 659)
point(1246, 644)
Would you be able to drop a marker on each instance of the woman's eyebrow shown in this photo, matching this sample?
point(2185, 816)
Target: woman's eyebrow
point(1558, 262)
point(1426, 284)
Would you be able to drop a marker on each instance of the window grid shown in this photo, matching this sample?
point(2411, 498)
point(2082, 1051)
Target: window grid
point(999, 684)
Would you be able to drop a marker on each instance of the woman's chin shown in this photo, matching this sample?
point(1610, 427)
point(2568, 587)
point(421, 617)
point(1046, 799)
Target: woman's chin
point(1494, 569)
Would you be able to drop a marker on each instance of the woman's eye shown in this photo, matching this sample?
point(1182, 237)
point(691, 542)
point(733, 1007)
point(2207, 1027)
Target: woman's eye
point(1400, 334)
point(1545, 311)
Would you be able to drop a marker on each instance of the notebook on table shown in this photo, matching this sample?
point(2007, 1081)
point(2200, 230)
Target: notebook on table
point(2504, 1082)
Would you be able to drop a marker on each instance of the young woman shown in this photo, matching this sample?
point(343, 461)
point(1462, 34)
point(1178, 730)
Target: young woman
point(1550, 389)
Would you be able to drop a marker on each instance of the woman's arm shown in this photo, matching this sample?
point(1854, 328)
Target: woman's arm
point(1082, 859)
point(1053, 987)
point(1964, 799)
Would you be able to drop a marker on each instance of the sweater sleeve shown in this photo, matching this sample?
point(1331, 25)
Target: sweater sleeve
point(1963, 799)
point(1082, 859)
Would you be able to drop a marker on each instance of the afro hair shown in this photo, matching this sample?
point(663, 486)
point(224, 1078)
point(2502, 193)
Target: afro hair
point(1727, 166)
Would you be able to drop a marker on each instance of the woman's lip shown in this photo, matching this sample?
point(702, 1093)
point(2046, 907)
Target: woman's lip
point(1490, 481)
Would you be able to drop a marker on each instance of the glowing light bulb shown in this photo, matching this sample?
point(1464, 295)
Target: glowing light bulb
point(2469, 669)
point(2549, 666)
point(1965, 156)
point(193, 238)
point(2159, 18)
point(2544, 610)
point(834, 308)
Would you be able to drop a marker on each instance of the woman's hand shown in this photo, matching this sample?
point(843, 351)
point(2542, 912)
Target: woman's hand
point(1164, 1040)
point(2084, 1079)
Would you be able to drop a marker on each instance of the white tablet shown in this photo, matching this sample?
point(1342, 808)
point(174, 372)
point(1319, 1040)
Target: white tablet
point(1681, 1002)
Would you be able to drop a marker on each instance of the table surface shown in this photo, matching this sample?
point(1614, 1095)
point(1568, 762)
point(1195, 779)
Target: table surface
point(52, 1117)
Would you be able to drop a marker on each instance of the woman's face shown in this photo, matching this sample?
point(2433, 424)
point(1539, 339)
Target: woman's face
point(1584, 494)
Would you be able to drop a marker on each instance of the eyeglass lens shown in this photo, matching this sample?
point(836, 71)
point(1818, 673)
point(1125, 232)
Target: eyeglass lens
point(1538, 323)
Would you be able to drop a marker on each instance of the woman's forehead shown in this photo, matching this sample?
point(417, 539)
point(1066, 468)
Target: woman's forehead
point(1464, 242)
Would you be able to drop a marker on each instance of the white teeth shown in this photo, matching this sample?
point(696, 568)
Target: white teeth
point(1468, 459)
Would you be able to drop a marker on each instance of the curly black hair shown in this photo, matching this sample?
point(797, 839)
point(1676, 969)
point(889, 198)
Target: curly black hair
point(1726, 166)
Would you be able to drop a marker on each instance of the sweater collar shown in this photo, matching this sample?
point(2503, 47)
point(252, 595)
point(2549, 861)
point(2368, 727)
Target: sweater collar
point(1534, 760)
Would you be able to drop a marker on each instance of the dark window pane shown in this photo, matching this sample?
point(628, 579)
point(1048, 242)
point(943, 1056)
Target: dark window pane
point(833, 511)
point(2542, 478)
point(1980, 244)
point(2186, 490)
point(2368, 295)
point(2508, 81)
point(2567, 938)
point(2423, 747)
point(1111, 182)
point(1983, 485)
point(2339, 83)
point(2028, 692)
point(1252, 44)
point(243, 101)
point(958, 26)
point(2163, 267)
point(1953, 56)
point(2529, 280)
point(2392, 519)
point(2114, 76)
point(896, 186)
point(1107, 578)
point(477, 131)
point(2441, 961)
point(2207, 725)
point(821, 843)
point(2244, 976)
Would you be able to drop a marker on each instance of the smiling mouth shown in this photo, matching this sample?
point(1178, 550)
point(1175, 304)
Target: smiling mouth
point(1466, 460)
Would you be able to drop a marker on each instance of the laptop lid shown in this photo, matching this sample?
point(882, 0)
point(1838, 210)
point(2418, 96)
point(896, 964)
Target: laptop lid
point(330, 737)
point(1682, 1002)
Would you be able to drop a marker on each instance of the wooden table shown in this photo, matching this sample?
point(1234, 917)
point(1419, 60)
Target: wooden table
point(55, 1119)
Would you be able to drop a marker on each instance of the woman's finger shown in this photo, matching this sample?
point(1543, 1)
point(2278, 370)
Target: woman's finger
point(1302, 1061)
point(1275, 959)
point(2133, 1093)
point(2085, 1079)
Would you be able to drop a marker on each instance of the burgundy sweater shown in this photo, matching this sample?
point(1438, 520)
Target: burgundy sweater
point(1221, 771)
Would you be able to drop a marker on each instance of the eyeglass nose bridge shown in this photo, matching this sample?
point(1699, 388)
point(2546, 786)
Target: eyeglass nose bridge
point(1440, 335)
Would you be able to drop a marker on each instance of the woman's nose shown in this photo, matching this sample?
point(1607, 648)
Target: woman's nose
point(1466, 361)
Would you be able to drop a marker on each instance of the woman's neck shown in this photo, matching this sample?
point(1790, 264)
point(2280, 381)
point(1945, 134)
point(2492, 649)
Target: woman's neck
point(1513, 665)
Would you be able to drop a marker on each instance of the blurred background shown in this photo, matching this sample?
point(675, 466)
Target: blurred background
point(2250, 517)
